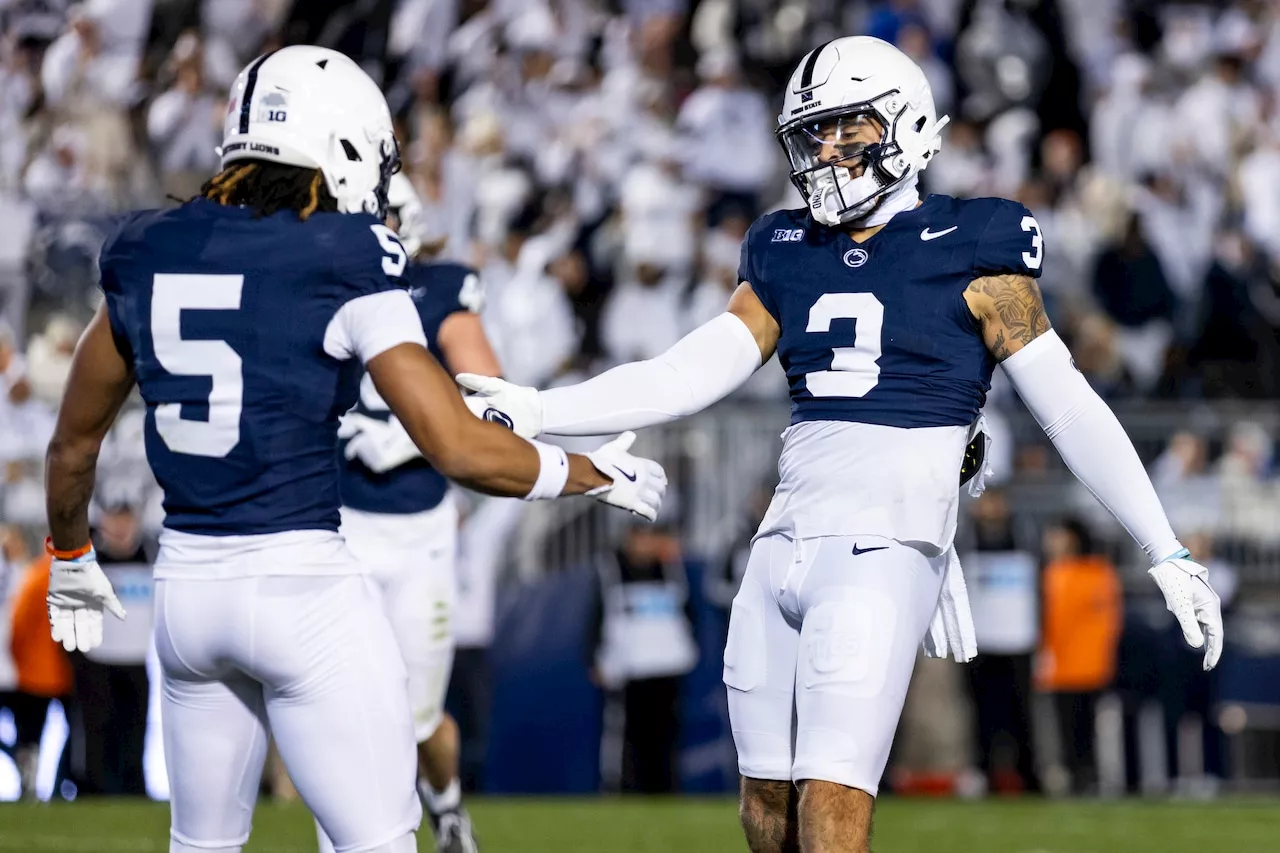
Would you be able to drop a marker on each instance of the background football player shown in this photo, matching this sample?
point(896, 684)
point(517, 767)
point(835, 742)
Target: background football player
point(244, 316)
point(399, 518)
point(889, 315)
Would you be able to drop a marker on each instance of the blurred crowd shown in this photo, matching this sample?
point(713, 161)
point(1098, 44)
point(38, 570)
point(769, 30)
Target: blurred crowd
point(599, 161)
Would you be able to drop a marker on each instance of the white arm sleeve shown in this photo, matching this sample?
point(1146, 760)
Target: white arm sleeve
point(702, 367)
point(1091, 440)
point(372, 324)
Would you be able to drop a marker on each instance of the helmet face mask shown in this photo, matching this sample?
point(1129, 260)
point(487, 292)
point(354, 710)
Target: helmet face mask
point(847, 152)
point(388, 165)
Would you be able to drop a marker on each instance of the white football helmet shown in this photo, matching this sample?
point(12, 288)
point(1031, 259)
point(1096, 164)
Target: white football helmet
point(832, 95)
point(402, 199)
point(314, 107)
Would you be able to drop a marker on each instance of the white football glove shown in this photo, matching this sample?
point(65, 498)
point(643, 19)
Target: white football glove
point(638, 483)
point(380, 445)
point(515, 407)
point(78, 593)
point(1193, 603)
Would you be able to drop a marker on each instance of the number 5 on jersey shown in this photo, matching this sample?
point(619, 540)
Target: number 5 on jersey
point(170, 296)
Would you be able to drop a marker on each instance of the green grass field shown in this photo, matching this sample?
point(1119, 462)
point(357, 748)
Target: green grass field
point(674, 826)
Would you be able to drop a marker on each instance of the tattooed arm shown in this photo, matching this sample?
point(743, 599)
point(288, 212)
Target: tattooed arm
point(1010, 310)
point(97, 386)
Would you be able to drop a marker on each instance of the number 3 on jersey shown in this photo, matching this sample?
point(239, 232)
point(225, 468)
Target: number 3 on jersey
point(854, 370)
point(170, 296)
point(1035, 257)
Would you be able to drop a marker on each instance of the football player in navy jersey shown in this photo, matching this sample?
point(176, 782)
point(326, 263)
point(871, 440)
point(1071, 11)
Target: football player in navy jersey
point(245, 317)
point(399, 517)
point(889, 315)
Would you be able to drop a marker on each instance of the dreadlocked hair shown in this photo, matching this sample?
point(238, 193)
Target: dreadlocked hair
point(268, 188)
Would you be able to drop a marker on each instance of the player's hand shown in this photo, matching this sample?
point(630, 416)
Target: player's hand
point(516, 407)
point(78, 593)
point(638, 483)
point(1193, 603)
point(380, 445)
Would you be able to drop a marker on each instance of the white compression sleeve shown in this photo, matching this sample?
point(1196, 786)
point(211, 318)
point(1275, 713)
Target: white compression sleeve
point(1092, 443)
point(702, 367)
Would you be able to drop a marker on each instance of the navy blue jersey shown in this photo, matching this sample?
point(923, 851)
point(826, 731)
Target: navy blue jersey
point(438, 290)
point(223, 316)
point(878, 332)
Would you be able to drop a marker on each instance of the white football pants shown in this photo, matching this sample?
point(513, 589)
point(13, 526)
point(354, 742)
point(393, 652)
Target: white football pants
point(823, 637)
point(312, 659)
point(411, 558)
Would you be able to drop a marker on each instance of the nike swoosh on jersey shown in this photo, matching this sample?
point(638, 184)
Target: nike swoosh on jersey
point(926, 235)
point(857, 550)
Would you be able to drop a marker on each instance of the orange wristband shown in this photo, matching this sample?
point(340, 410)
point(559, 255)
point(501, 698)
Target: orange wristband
point(66, 555)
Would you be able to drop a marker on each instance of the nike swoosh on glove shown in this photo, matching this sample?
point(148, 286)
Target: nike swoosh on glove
point(516, 407)
point(1193, 603)
point(380, 445)
point(638, 483)
point(78, 593)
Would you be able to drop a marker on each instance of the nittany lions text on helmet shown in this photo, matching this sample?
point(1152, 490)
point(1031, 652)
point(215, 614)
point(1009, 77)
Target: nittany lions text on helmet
point(315, 108)
point(836, 90)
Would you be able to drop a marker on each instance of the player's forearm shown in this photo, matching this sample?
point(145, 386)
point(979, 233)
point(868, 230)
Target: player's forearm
point(97, 385)
point(70, 468)
point(493, 460)
point(467, 450)
point(1091, 441)
point(701, 369)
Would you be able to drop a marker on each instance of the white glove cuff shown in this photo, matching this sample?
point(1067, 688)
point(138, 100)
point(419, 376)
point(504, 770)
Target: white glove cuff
point(553, 472)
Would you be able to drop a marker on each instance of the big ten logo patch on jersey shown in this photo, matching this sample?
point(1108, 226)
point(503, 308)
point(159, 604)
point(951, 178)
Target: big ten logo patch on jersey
point(273, 106)
point(788, 235)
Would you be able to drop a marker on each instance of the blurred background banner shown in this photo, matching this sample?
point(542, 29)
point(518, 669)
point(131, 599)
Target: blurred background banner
point(599, 161)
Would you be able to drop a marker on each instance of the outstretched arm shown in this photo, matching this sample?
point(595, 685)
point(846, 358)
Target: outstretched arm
point(1092, 442)
point(700, 369)
point(482, 456)
point(491, 459)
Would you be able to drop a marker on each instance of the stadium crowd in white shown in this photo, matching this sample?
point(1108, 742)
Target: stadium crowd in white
point(600, 161)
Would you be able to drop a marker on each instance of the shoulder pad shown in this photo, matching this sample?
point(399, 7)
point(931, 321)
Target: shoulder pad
point(1011, 241)
point(368, 254)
